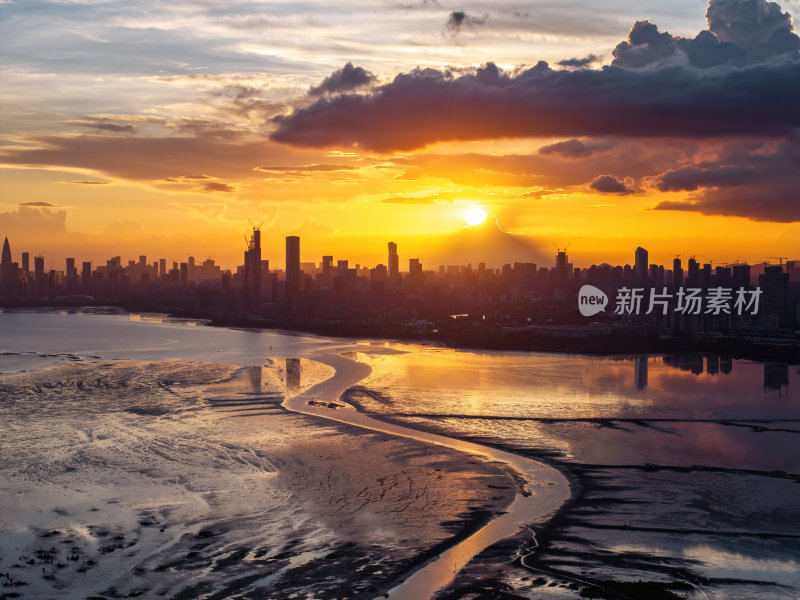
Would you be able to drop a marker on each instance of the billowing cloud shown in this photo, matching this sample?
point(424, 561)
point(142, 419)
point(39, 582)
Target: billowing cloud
point(739, 32)
point(760, 28)
point(608, 184)
point(33, 219)
point(737, 81)
point(428, 106)
point(346, 79)
point(645, 45)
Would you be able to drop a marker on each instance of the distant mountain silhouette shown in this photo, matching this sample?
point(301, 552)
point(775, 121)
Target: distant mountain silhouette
point(484, 243)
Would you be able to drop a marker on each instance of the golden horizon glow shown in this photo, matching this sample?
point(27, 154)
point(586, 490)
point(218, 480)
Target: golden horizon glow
point(168, 151)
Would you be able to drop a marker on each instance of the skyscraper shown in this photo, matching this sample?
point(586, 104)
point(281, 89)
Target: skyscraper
point(292, 264)
point(394, 261)
point(677, 273)
point(562, 266)
point(40, 279)
point(252, 270)
point(72, 276)
point(7, 275)
point(641, 265)
point(86, 277)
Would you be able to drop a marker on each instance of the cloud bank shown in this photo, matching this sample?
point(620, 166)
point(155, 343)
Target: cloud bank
point(735, 86)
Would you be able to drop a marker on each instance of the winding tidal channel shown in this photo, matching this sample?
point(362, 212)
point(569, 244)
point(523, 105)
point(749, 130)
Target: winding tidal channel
point(545, 488)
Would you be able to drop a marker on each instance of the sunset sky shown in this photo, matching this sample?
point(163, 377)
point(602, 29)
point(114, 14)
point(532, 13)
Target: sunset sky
point(165, 128)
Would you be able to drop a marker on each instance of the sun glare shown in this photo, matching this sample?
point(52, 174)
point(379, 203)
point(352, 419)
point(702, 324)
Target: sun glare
point(475, 216)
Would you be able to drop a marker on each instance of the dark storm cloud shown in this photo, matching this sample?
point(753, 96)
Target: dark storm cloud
point(692, 178)
point(608, 184)
point(428, 106)
point(739, 32)
point(346, 79)
point(658, 85)
point(459, 19)
point(645, 45)
point(779, 203)
point(759, 181)
point(758, 27)
point(578, 63)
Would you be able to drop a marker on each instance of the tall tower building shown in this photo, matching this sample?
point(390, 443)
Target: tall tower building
point(562, 262)
point(327, 271)
point(641, 265)
point(677, 273)
point(72, 276)
point(292, 264)
point(693, 273)
point(39, 277)
point(394, 262)
point(7, 274)
point(86, 277)
point(252, 270)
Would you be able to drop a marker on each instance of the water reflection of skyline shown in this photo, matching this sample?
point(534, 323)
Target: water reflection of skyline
point(293, 371)
point(776, 375)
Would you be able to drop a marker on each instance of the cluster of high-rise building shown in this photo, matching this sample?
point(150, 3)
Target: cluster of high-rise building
point(518, 293)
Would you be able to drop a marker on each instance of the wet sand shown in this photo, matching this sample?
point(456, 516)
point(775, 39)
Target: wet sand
point(541, 489)
point(180, 479)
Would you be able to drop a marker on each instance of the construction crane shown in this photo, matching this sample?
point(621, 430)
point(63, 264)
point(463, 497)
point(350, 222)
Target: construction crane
point(780, 259)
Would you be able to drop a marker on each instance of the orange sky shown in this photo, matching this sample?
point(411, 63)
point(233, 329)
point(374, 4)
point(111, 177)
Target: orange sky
point(159, 135)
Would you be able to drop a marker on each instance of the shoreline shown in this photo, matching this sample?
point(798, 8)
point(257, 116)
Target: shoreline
point(762, 348)
point(542, 490)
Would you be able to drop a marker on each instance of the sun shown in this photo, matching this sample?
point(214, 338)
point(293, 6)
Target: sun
point(475, 216)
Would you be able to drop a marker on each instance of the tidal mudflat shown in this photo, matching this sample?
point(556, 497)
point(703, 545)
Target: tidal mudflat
point(183, 479)
point(684, 470)
point(155, 458)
